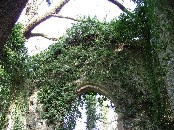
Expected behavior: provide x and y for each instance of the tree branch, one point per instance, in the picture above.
(46, 36)
(66, 17)
(43, 35)
(115, 2)
(54, 13)
(47, 15)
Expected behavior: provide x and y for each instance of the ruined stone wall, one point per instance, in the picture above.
(27, 120)
(165, 45)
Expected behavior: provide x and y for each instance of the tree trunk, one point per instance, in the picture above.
(10, 11)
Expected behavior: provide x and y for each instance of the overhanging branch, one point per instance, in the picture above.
(43, 35)
(54, 13)
(115, 2)
(27, 30)
(65, 17)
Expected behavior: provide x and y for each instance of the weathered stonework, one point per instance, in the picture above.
(166, 46)
(33, 119)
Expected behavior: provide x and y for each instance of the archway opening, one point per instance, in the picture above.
(93, 111)
(97, 112)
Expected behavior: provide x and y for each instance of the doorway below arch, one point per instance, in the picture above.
(96, 112)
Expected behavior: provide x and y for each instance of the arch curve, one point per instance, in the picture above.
(104, 91)
(96, 88)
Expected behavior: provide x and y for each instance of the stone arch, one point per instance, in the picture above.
(83, 88)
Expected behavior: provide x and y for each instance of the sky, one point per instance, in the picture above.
(55, 27)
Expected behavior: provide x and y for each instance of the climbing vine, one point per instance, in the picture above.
(116, 54)
(122, 55)
(13, 71)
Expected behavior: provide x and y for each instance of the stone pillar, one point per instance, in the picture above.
(34, 121)
(164, 12)
(120, 122)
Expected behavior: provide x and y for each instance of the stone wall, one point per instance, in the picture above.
(30, 120)
(165, 50)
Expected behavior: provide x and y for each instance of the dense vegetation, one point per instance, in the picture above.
(13, 71)
(120, 55)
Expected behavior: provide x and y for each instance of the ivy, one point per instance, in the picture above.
(13, 71)
(122, 55)
(89, 52)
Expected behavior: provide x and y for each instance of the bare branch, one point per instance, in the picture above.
(115, 2)
(46, 36)
(42, 35)
(47, 15)
(54, 13)
(66, 17)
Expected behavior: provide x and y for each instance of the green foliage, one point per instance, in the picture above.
(89, 52)
(13, 70)
(19, 111)
(14, 56)
(121, 55)
(90, 105)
